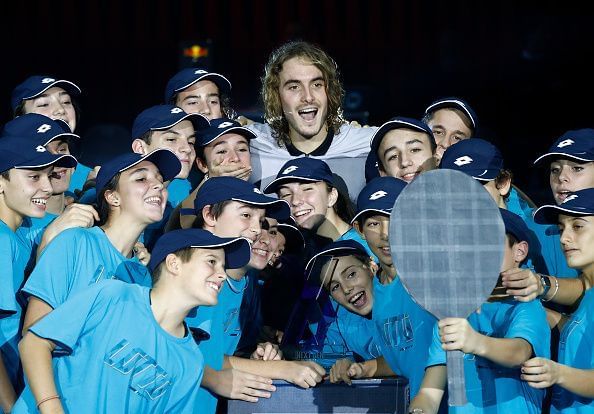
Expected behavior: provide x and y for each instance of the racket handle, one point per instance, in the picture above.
(456, 383)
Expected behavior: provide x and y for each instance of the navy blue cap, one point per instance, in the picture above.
(301, 169)
(34, 86)
(38, 128)
(371, 166)
(475, 157)
(294, 238)
(578, 203)
(218, 189)
(237, 250)
(160, 117)
(189, 76)
(379, 196)
(166, 161)
(515, 226)
(221, 126)
(18, 153)
(337, 249)
(399, 122)
(577, 145)
(456, 103)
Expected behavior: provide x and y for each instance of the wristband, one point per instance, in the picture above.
(53, 397)
(554, 292)
(545, 282)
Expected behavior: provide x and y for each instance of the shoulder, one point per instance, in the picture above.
(351, 138)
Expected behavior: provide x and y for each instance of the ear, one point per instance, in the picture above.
(201, 165)
(357, 226)
(332, 197)
(172, 263)
(113, 198)
(139, 147)
(373, 266)
(520, 251)
(208, 217)
(504, 187)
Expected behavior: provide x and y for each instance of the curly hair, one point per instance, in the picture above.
(273, 112)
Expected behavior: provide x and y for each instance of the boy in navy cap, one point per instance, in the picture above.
(55, 136)
(197, 90)
(129, 343)
(496, 339)
(572, 376)
(56, 99)
(405, 147)
(25, 187)
(452, 120)
(222, 149)
(228, 206)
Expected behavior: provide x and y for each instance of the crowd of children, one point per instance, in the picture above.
(130, 288)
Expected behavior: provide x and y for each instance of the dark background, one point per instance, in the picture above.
(525, 68)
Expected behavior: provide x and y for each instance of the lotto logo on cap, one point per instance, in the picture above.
(302, 169)
(43, 128)
(176, 110)
(577, 145)
(475, 157)
(378, 196)
(570, 198)
(579, 203)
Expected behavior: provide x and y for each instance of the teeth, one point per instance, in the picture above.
(302, 213)
(260, 252)
(39, 201)
(356, 297)
(308, 110)
(213, 286)
(153, 200)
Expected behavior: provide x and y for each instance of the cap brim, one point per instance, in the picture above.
(389, 126)
(237, 252)
(549, 213)
(222, 82)
(238, 130)
(277, 209)
(62, 136)
(561, 154)
(452, 103)
(165, 160)
(371, 210)
(273, 186)
(46, 159)
(68, 86)
(198, 121)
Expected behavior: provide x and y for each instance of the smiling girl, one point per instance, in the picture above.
(130, 196)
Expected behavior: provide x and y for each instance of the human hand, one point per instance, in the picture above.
(239, 385)
(267, 351)
(456, 334)
(523, 284)
(344, 370)
(305, 374)
(540, 372)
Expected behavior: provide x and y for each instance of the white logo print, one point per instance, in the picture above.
(48, 80)
(378, 194)
(43, 128)
(289, 170)
(565, 143)
(225, 125)
(571, 197)
(40, 148)
(176, 110)
(257, 191)
(463, 160)
(199, 72)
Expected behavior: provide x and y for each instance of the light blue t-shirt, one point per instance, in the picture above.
(112, 356)
(15, 255)
(30, 232)
(73, 260)
(79, 177)
(576, 349)
(403, 331)
(352, 234)
(492, 388)
(222, 323)
(352, 332)
(178, 189)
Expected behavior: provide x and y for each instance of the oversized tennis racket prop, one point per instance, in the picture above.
(446, 239)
